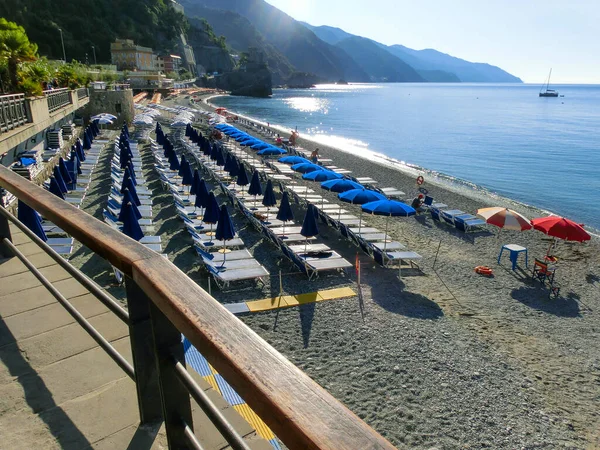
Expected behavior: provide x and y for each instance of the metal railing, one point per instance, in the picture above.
(57, 98)
(82, 93)
(163, 303)
(13, 112)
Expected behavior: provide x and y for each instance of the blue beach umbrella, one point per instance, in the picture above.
(182, 165)
(195, 182)
(272, 151)
(124, 157)
(341, 185)
(211, 214)
(389, 208)
(128, 199)
(79, 150)
(220, 159)
(242, 179)
(260, 146)
(309, 225)
(306, 167)
(64, 171)
(131, 226)
(225, 230)
(269, 197)
(294, 160)
(201, 196)
(31, 219)
(127, 175)
(55, 189)
(322, 175)
(187, 176)
(60, 180)
(255, 186)
(285, 212)
(174, 163)
(128, 186)
(87, 144)
(234, 168)
(360, 197)
(132, 172)
(75, 159)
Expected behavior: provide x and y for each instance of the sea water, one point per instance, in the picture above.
(503, 138)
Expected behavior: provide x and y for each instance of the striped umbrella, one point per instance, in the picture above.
(504, 218)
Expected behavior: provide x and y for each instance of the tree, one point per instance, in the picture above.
(15, 48)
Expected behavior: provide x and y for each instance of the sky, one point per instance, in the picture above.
(525, 37)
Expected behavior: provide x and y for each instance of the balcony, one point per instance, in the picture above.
(21, 118)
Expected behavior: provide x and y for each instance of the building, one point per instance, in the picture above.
(128, 56)
(169, 63)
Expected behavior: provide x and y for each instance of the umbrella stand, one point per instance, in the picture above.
(283, 230)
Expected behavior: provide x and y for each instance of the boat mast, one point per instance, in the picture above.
(549, 75)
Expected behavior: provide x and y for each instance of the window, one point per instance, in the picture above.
(118, 108)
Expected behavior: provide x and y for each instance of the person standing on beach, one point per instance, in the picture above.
(314, 156)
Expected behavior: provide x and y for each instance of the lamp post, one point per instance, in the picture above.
(63, 46)
(94, 50)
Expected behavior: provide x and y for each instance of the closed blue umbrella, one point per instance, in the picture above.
(306, 167)
(64, 171)
(79, 149)
(360, 197)
(174, 163)
(76, 160)
(31, 219)
(182, 165)
(269, 197)
(234, 168)
(220, 159)
(214, 152)
(124, 157)
(126, 130)
(211, 214)
(59, 180)
(187, 176)
(129, 186)
(128, 199)
(132, 172)
(127, 175)
(389, 208)
(255, 186)
(309, 225)
(195, 182)
(201, 196)
(322, 175)
(55, 189)
(285, 212)
(87, 143)
(225, 229)
(272, 151)
(131, 226)
(242, 179)
(294, 160)
(341, 185)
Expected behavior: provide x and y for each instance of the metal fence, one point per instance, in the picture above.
(82, 93)
(57, 98)
(13, 112)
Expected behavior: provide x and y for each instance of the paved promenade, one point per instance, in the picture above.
(58, 388)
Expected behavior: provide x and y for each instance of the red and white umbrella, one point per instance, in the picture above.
(504, 218)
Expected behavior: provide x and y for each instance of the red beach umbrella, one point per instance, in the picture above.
(561, 228)
(504, 218)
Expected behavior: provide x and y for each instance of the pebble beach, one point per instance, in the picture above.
(440, 357)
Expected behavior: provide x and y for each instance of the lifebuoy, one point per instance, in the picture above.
(420, 180)
(484, 270)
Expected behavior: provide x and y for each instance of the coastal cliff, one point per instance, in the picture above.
(255, 83)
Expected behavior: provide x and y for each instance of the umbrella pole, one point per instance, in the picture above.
(224, 253)
(550, 247)
(360, 221)
(211, 233)
(305, 247)
(283, 230)
(387, 222)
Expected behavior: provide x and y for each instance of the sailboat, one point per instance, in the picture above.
(548, 92)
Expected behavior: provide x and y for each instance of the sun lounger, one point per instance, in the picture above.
(205, 242)
(398, 257)
(389, 246)
(216, 257)
(225, 277)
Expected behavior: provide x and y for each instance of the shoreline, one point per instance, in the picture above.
(441, 180)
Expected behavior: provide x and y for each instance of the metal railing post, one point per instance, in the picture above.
(177, 409)
(144, 358)
(4, 233)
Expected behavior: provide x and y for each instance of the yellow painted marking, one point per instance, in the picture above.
(286, 301)
(261, 428)
(212, 369)
(331, 294)
(267, 304)
(210, 379)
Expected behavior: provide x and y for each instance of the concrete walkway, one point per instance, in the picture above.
(58, 389)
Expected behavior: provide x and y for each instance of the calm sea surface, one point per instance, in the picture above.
(504, 138)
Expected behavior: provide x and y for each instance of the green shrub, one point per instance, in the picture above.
(30, 88)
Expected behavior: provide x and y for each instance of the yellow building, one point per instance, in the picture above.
(128, 56)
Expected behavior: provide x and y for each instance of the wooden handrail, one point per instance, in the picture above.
(300, 412)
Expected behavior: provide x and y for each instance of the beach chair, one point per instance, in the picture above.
(545, 275)
(467, 223)
(435, 214)
(223, 278)
(429, 203)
